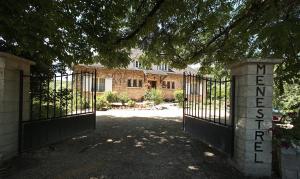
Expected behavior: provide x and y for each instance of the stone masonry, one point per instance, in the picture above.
(10, 67)
(253, 116)
(120, 77)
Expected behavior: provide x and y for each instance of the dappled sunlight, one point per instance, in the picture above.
(139, 144)
(173, 114)
(109, 140)
(117, 141)
(209, 154)
(163, 140)
(80, 137)
(95, 145)
(145, 139)
(135, 145)
(191, 167)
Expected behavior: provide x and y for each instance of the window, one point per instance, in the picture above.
(168, 84)
(164, 85)
(100, 84)
(129, 83)
(173, 85)
(163, 67)
(140, 83)
(135, 83)
(137, 64)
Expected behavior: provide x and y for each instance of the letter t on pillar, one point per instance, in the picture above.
(253, 115)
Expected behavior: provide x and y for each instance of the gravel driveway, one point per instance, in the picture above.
(126, 147)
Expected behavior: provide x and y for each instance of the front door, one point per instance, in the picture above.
(152, 84)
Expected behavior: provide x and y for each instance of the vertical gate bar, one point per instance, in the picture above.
(225, 101)
(190, 85)
(199, 83)
(92, 90)
(60, 104)
(67, 93)
(195, 92)
(31, 97)
(194, 101)
(85, 74)
(192, 98)
(21, 92)
(48, 91)
(76, 90)
(215, 99)
(205, 105)
(72, 87)
(202, 83)
(95, 113)
(232, 109)
(95, 99)
(232, 105)
(220, 100)
(89, 89)
(184, 99)
(81, 88)
(210, 96)
(40, 96)
(54, 97)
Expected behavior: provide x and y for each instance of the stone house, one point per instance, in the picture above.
(136, 80)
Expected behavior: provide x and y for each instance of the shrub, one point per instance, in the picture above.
(131, 103)
(102, 103)
(123, 98)
(179, 98)
(111, 97)
(154, 95)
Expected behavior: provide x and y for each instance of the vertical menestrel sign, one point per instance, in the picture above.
(260, 94)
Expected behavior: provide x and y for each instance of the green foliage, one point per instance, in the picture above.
(289, 101)
(123, 98)
(102, 103)
(154, 95)
(131, 103)
(179, 98)
(111, 97)
(215, 32)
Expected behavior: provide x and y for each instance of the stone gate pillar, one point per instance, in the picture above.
(253, 116)
(10, 70)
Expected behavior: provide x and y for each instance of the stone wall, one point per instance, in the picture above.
(120, 77)
(10, 67)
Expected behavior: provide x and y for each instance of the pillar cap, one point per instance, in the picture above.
(14, 57)
(256, 61)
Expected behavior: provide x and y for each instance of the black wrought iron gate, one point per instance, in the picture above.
(61, 106)
(208, 109)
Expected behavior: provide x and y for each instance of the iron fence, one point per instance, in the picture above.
(208, 99)
(62, 95)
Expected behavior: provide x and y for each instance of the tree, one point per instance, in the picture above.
(176, 32)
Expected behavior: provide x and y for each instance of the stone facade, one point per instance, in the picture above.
(253, 116)
(120, 79)
(10, 67)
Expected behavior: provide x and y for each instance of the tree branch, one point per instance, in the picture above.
(143, 23)
(250, 12)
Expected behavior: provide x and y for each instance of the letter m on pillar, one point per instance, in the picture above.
(261, 69)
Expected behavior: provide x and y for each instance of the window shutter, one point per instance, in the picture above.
(108, 84)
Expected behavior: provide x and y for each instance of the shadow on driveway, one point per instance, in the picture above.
(126, 148)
